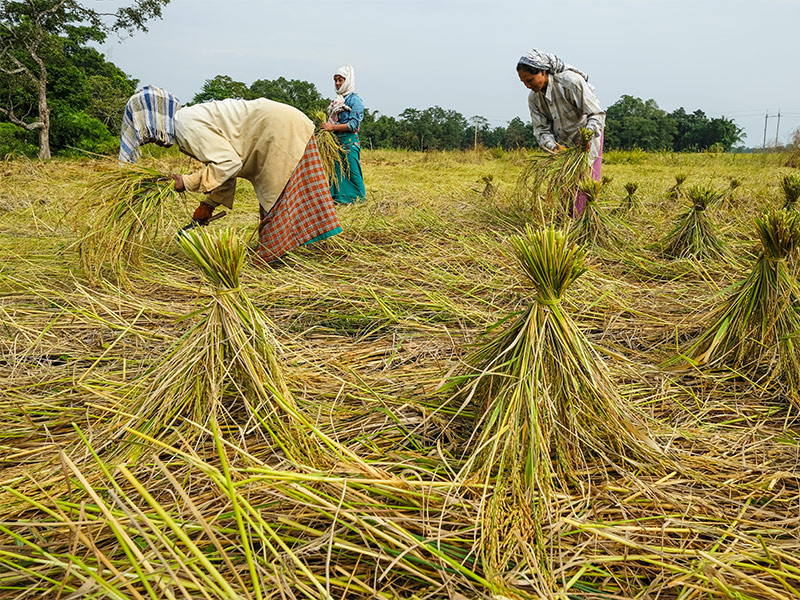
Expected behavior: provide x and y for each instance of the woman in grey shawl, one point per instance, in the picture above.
(561, 102)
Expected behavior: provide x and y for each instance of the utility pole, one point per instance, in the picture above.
(764, 146)
(475, 144)
(777, 128)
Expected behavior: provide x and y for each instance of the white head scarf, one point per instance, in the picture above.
(337, 105)
(349, 85)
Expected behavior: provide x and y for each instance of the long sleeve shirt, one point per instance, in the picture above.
(258, 140)
(355, 115)
(558, 113)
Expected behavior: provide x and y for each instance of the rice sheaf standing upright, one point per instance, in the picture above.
(790, 184)
(630, 202)
(547, 407)
(225, 367)
(757, 328)
(593, 227)
(694, 234)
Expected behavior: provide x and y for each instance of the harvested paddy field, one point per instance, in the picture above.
(331, 454)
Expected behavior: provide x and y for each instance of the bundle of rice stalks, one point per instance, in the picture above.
(128, 207)
(225, 368)
(549, 414)
(593, 227)
(757, 326)
(489, 188)
(790, 184)
(630, 202)
(555, 176)
(729, 195)
(334, 159)
(676, 190)
(694, 234)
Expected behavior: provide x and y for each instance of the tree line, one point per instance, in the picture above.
(58, 94)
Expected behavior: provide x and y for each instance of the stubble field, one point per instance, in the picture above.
(370, 324)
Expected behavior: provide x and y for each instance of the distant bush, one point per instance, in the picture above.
(78, 131)
(15, 141)
(630, 157)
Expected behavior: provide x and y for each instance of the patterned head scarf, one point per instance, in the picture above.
(149, 117)
(548, 62)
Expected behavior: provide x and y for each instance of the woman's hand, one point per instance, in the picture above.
(178, 179)
(327, 126)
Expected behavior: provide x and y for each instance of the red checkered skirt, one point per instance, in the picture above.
(303, 213)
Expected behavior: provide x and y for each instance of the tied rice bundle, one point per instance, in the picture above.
(630, 202)
(547, 406)
(334, 159)
(129, 207)
(729, 197)
(790, 184)
(555, 176)
(757, 326)
(593, 227)
(225, 367)
(676, 191)
(694, 234)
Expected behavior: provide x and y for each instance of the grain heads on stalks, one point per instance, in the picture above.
(334, 159)
(790, 184)
(555, 176)
(125, 207)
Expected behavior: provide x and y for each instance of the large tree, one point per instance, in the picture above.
(33, 34)
(222, 87)
(635, 123)
(303, 95)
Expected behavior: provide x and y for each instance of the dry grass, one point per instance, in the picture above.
(370, 323)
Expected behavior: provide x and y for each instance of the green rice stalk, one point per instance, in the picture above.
(694, 234)
(126, 209)
(182, 523)
(334, 158)
(593, 227)
(790, 184)
(676, 191)
(548, 410)
(630, 203)
(756, 329)
(554, 177)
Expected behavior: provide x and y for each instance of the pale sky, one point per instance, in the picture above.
(732, 58)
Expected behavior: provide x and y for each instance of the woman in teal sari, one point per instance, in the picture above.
(345, 114)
